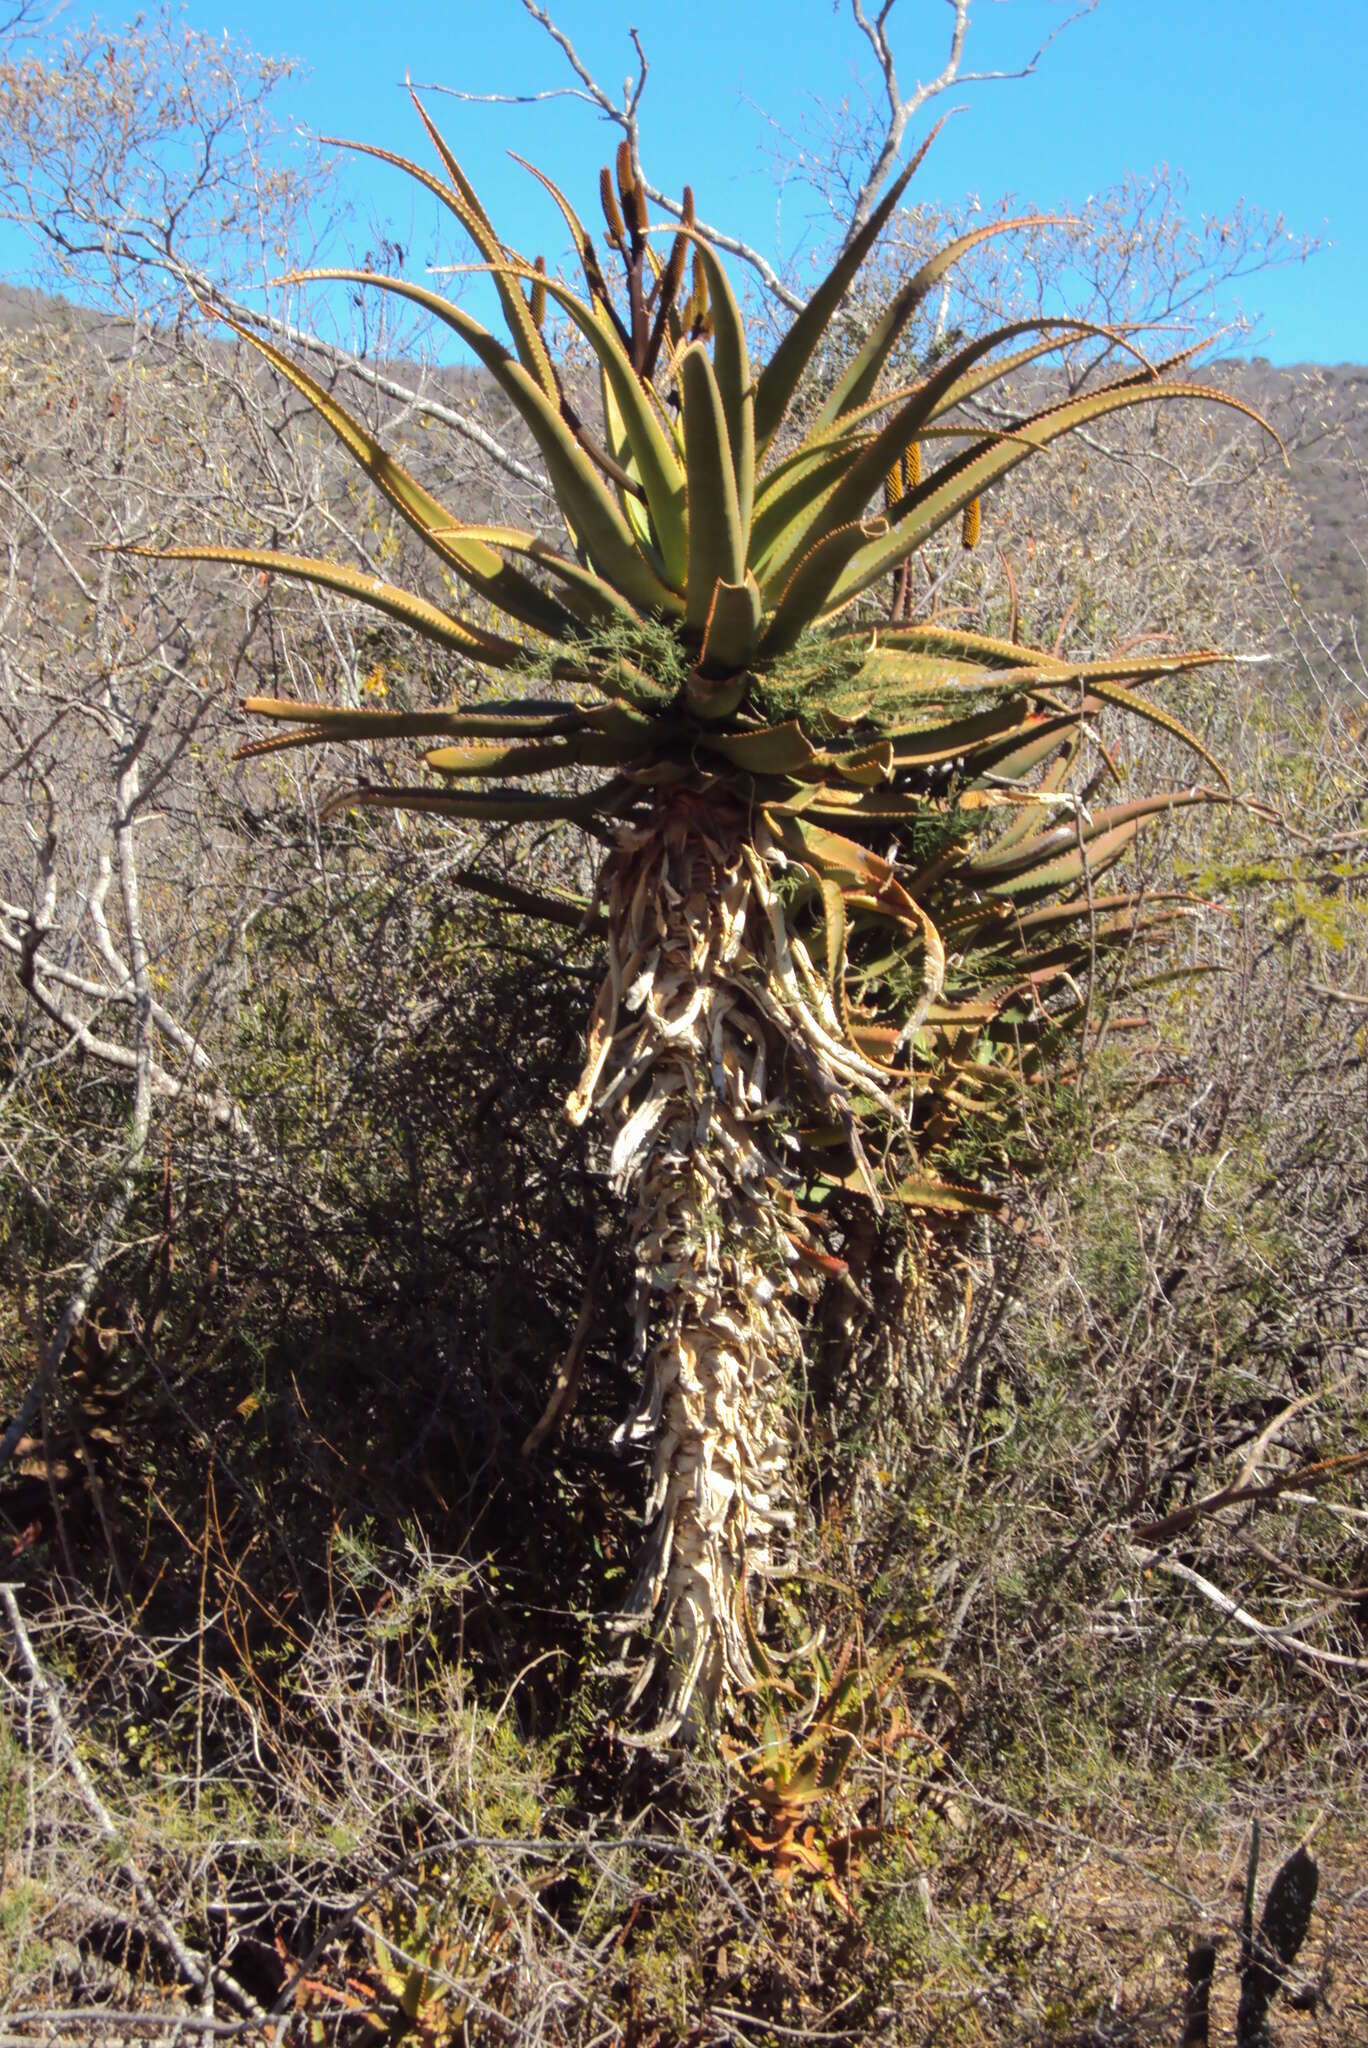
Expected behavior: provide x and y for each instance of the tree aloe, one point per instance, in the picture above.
(849, 903)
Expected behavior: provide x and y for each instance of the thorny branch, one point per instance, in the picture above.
(1276, 1638)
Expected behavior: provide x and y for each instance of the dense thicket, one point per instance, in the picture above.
(304, 1531)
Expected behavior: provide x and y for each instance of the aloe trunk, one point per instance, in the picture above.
(683, 1045)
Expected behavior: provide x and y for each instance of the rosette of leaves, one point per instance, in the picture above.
(798, 1756)
(850, 903)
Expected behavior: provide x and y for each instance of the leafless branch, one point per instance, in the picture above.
(589, 91)
(1277, 1639)
(196, 1969)
(627, 117)
(903, 108)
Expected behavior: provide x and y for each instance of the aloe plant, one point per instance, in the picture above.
(850, 903)
(796, 1754)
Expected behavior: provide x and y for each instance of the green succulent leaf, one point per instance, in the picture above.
(982, 377)
(654, 458)
(865, 471)
(926, 1191)
(781, 376)
(319, 724)
(477, 758)
(784, 506)
(767, 750)
(1080, 827)
(403, 605)
(807, 588)
(717, 545)
(592, 600)
(970, 475)
(507, 807)
(735, 383)
(1154, 714)
(732, 633)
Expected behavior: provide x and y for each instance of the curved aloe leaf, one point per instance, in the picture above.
(1065, 853)
(717, 542)
(1014, 758)
(988, 374)
(851, 434)
(812, 577)
(932, 636)
(587, 505)
(493, 721)
(863, 373)
(834, 931)
(731, 367)
(952, 487)
(594, 280)
(866, 764)
(588, 596)
(783, 372)
(925, 1191)
(1154, 714)
(504, 807)
(534, 757)
(931, 745)
(525, 330)
(449, 163)
(403, 605)
(769, 750)
(914, 658)
(808, 480)
(830, 854)
(989, 862)
(318, 724)
(620, 467)
(1091, 855)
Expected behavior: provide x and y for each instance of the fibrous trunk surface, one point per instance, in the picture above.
(695, 1046)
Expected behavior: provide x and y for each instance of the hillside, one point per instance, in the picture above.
(1322, 410)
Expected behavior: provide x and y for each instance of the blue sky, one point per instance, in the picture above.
(1252, 100)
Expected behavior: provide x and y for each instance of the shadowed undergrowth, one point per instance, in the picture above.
(322, 1632)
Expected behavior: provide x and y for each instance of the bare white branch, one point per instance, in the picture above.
(903, 108)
